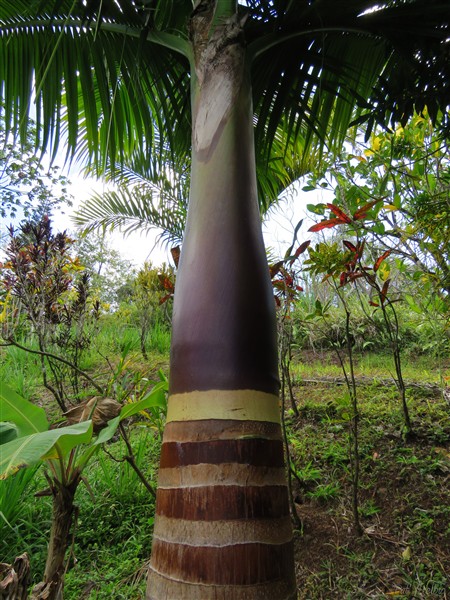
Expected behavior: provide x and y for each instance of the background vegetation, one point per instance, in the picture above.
(361, 295)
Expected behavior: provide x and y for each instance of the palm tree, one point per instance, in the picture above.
(220, 79)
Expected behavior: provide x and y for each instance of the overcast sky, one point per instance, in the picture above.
(278, 228)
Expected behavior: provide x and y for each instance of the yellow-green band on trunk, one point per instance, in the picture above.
(239, 405)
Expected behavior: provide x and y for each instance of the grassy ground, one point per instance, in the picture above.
(404, 551)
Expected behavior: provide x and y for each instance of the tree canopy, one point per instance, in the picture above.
(27, 188)
(115, 75)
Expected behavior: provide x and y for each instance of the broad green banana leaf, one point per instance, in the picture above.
(27, 417)
(44, 445)
(34, 445)
(8, 432)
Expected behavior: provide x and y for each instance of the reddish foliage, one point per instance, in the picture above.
(175, 252)
(361, 213)
(355, 275)
(300, 250)
(339, 213)
(384, 290)
(350, 246)
(379, 260)
(275, 269)
(327, 224)
(360, 248)
(168, 285)
(165, 298)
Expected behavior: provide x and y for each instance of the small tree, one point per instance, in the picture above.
(152, 288)
(286, 288)
(47, 296)
(27, 188)
(329, 261)
(351, 270)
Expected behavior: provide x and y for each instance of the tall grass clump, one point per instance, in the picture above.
(159, 338)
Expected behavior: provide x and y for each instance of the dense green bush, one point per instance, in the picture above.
(419, 334)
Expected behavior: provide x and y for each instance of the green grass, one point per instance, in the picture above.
(404, 486)
(14, 510)
(159, 339)
(420, 368)
(20, 369)
(30, 520)
(115, 524)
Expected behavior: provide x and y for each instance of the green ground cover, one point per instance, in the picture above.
(403, 491)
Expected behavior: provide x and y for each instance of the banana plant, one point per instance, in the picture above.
(26, 439)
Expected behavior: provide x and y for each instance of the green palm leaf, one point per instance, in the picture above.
(51, 56)
(129, 211)
(138, 204)
(115, 73)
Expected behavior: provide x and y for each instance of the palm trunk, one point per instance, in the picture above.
(222, 527)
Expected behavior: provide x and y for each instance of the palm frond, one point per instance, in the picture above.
(328, 63)
(111, 74)
(90, 78)
(140, 207)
